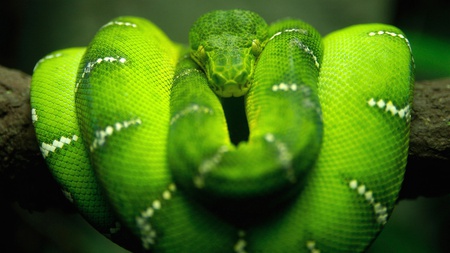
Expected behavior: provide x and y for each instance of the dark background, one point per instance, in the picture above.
(31, 29)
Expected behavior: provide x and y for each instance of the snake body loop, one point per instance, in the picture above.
(276, 153)
(134, 129)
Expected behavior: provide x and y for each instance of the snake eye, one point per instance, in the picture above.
(200, 55)
(256, 47)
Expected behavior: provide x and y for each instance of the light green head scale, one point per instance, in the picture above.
(226, 44)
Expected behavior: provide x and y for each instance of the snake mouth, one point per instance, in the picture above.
(230, 89)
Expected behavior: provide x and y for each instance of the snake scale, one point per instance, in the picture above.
(136, 129)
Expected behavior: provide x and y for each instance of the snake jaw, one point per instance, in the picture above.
(229, 88)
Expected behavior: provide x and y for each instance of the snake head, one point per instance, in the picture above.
(226, 45)
(228, 70)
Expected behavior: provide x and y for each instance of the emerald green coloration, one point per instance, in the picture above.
(226, 45)
(133, 127)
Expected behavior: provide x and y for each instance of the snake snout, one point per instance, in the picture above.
(229, 71)
(231, 85)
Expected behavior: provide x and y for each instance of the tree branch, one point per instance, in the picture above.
(427, 171)
(25, 178)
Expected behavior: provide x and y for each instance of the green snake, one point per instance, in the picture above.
(138, 130)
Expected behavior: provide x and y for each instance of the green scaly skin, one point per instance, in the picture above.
(134, 131)
(226, 45)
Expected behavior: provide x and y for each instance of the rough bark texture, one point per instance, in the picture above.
(24, 176)
(427, 172)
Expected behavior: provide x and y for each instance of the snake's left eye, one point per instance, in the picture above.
(201, 53)
(256, 47)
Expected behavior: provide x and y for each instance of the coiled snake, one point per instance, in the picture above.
(135, 129)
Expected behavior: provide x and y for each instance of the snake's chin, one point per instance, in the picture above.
(230, 89)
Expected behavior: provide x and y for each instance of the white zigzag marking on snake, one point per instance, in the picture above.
(67, 195)
(91, 65)
(393, 34)
(239, 247)
(208, 165)
(100, 135)
(185, 73)
(401, 36)
(390, 107)
(284, 87)
(47, 148)
(307, 102)
(299, 43)
(190, 109)
(48, 57)
(284, 156)
(34, 116)
(379, 209)
(296, 30)
(119, 23)
(307, 50)
(148, 233)
(311, 246)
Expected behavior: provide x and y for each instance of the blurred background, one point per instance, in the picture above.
(31, 29)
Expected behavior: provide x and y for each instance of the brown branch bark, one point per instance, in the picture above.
(427, 171)
(24, 176)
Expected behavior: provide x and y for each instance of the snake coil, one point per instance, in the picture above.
(136, 129)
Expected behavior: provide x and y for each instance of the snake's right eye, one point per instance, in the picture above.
(200, 55)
